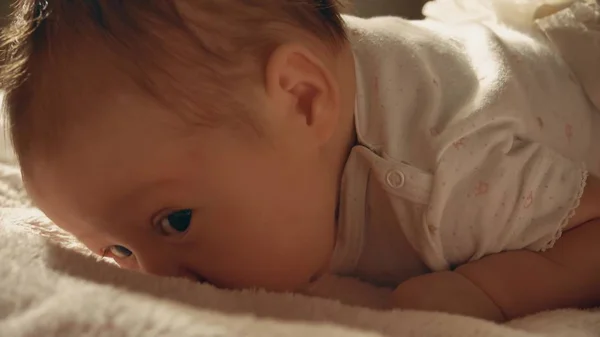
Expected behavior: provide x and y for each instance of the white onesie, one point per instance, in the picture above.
(473, 139)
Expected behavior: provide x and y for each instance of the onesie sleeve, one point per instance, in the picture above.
(494, 192)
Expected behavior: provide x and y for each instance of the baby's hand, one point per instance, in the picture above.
(448, 292)
(349, 291)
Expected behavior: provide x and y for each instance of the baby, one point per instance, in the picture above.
(267, 143)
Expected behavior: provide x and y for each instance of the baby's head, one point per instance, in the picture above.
(194, 138)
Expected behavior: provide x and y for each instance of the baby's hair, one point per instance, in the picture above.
(195, 50)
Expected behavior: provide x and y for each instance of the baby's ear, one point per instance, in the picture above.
(305, 89)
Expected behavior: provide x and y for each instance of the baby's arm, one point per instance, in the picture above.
(517, 283)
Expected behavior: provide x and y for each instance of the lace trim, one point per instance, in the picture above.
(565, 221)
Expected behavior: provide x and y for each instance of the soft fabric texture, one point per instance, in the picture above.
(474, 139)
(50, 290)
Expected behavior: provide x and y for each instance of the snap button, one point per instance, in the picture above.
(395, 179)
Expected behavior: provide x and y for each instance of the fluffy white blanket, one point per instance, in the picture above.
(51, 287)
(48, 290)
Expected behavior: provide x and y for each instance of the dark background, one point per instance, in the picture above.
(406, 8)
(4, 4)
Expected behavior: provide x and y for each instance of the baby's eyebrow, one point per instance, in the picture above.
(138, 196)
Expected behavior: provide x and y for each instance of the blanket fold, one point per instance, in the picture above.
(53, 290)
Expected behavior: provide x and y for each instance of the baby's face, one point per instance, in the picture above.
(212, 204)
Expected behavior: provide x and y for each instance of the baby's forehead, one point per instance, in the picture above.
(95, 172)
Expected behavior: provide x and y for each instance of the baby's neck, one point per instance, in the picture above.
(339, 146)
(345, 136)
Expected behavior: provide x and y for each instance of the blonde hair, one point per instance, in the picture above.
(190, 49)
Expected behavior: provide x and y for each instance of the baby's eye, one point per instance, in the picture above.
(120, 251)
(176, 222)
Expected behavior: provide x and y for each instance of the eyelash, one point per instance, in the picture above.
(104, 253)
(158, 217)
(164, 214)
